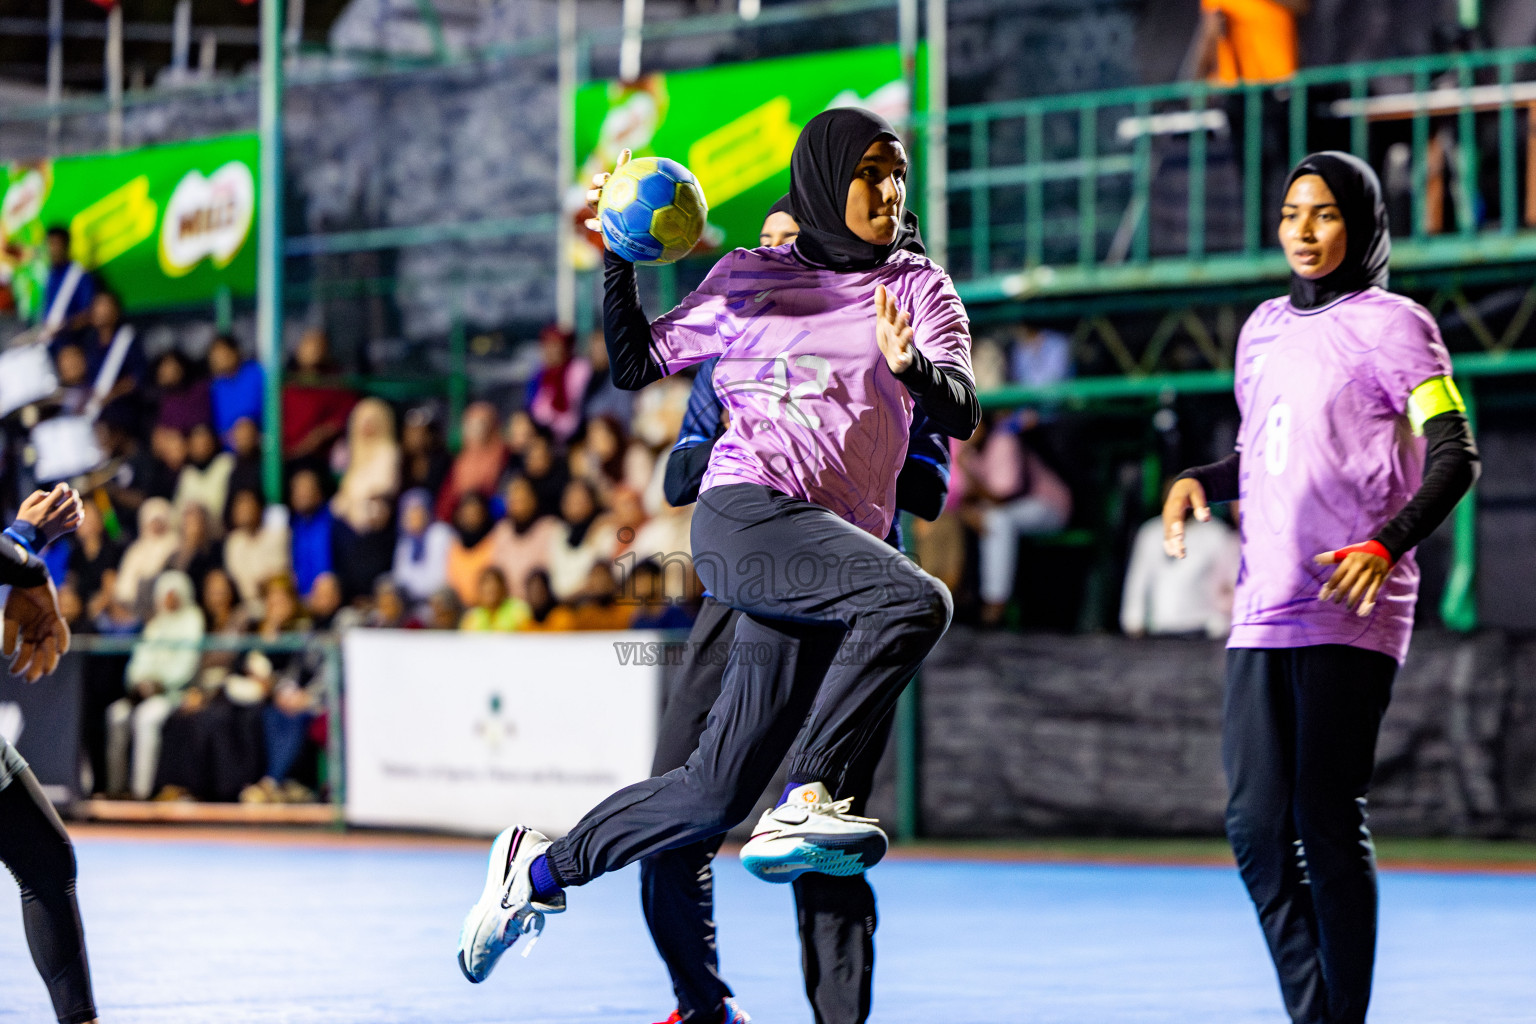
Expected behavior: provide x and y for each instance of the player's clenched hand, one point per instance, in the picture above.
(35, 634)
(893, 331)
(595, 193)
(54, 512)
(1361, 572)
(1183, 496)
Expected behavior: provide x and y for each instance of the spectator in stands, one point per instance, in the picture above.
(1247, 40)
(128, 466)
(67, 294)
(495, 610)
(245, 446)
(315, 405)
(1190, 596)
(168, 451)
(205, 476)
(604, 444)
(582, 541)
(146, 556)
(109, 615)
(603, 397)
(325, 603)
(225, 617)
(163, 663)
(547, 615)
(472, 546)
(91, 552)
(646, 593)
(444, 610)
(480, 461)
(73, 371)
(597, 603)
(520, 431)
(364, 505)
(424, 459)
(547, 474)
(132, 371)
(556, 391)
(421, 552)
(389, 608)
(309, 529)
(255, 550)
(183, 396)
(198, 552)
(522, 541)
(237, 387)
(1008, 492)
(290, 705)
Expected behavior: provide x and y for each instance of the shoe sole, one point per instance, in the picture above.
(841, 856)
(502, 850)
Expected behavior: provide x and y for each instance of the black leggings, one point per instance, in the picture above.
(34, 845)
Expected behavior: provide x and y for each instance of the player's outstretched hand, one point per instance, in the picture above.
(595, 193)
(54, 512)
(1183, 496)
(35, 634)
(893, 331)
(1362, 569)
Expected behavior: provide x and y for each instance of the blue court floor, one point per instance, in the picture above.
(197, 932)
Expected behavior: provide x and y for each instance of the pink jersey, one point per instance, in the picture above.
(1328, 458)
(815, 412)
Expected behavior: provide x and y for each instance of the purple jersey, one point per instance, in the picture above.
(815, 412)
(1328, 458)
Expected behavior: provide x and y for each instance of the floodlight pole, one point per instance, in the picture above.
(55, 70)
(269, 272)
(565, 167)
(936, 205)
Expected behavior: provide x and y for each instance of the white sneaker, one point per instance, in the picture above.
(507, 910)
(811, 832)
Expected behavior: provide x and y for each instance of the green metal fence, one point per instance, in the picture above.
(1058, 195)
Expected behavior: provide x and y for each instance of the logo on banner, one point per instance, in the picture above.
(493, 727)
(11, 721)
(207, 218)
(23, 202)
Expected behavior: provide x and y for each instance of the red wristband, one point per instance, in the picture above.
(1370, 547)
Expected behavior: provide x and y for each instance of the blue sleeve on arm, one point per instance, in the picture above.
(689, 458)
(25, 534)
(923, 485)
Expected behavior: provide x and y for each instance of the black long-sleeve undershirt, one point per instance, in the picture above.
(18, 568)
(948, 398)
(626, 331)
(1451, 467)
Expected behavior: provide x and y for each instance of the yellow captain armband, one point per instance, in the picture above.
(1435, 396)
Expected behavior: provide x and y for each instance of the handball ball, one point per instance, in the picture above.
(652, 211)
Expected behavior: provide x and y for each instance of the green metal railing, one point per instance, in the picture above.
(1055, 196)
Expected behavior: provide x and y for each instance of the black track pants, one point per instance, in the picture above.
(836, 915)
(1299, 743)
(36, 849)
(835, 624)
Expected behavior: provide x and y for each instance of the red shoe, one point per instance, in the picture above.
(676, 1018)
(733, 1015)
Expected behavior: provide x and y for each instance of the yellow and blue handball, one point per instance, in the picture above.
(652, 211)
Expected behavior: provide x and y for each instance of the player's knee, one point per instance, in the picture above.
(930, 607)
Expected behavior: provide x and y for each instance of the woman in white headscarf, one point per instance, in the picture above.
(162, 664)
(146, 556)
(363, 540)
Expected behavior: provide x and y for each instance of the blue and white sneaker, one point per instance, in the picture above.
(507, 910)
(810, 831)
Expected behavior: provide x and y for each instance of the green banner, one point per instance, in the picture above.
(734, 126)
(161, 226)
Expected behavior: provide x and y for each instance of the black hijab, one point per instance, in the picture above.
(820, 170)
(1357, 190)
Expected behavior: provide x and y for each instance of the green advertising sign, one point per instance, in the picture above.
(734, 126)
(161, 226)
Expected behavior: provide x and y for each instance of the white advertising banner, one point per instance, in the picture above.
(473, 732)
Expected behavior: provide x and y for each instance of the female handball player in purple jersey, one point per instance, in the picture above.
(1354, 445)
(825, 345)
